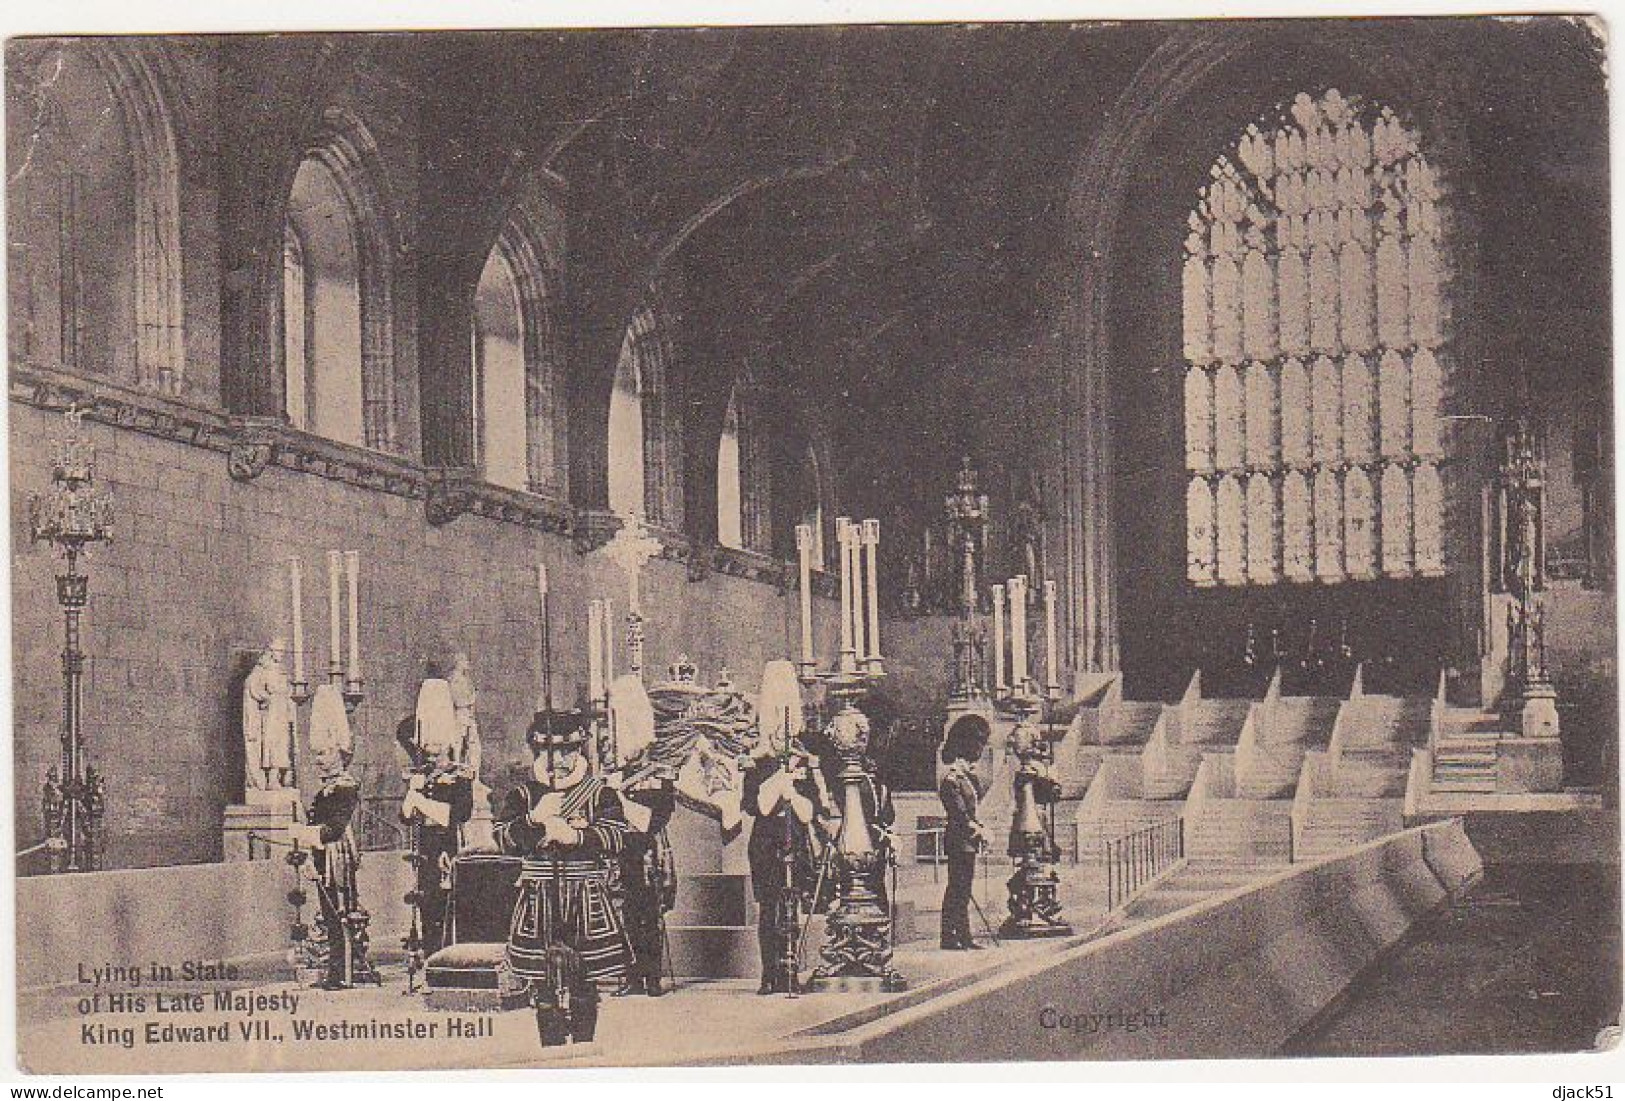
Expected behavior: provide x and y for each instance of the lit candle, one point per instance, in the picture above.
(871, 546)
(804, 547)
(841, 541)
(335, 567)
(352, 567)
(1018, 632)
(595, 650)
(998, 637)
(296, 593)
(541, 580)
(854, 548)
(1051, 680)
(609, 643)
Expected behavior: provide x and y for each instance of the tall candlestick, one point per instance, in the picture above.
(352, 567)
(1018, 632)
(595, 650)
(854, 554)
(841, 541)
(804, 548)
(335, 659)
(547, 638)
(1052, 683)
(296, 594)
(871, 547)
(998, 638)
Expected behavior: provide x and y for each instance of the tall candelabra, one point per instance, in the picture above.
(967, 510)
(857, 951)
(71, 516)
(1035, 911)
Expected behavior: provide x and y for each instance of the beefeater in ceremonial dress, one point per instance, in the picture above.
(566, 936)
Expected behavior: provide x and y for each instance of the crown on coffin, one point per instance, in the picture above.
(682, 671)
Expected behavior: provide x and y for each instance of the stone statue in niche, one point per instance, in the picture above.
(268, 723)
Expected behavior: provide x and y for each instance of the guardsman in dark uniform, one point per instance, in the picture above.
(648, 883)
(566, 935)
(785, 803)
(335, 860)
(439, 802)
(961, 840)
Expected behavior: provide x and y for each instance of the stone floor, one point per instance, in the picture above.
(700, 1021)
(1529, 961)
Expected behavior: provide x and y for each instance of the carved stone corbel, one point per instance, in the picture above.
(448, 493)
(253, 446)
(701, 561)
(593, 528)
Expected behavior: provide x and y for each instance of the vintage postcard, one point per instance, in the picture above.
(826, 544)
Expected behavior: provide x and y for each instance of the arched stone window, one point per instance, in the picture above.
(743, 494)
(815, 505)
(1314, 313)
(296, 332)
(94, 234)
(518, 435)
(498, 357)
(645, 437)
(346, 252)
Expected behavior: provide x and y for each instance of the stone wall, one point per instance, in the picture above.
(195, 583)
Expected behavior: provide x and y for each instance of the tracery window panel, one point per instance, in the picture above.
(1232, 531)
(1201, 557)
(1263, 562)
(1315, 294)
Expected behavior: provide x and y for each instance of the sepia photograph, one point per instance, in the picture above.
(890, 543)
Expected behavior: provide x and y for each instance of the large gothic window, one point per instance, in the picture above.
(743, 509)
(1313, 346)
(498, 358)
(645, 440)
(519, 439)
(93, 191)
(815, 508)
(338, 287)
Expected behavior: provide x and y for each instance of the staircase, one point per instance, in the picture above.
(1115, 805)
(1291, 725)
(1220, 827)
(1464, 758)
(1336, 825)
(1128, 723)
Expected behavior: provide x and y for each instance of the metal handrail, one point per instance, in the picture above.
(1136, 858)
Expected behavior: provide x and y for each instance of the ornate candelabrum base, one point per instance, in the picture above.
(857, 951)
(1035, 911)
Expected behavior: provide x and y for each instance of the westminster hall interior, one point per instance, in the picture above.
(1193, 439)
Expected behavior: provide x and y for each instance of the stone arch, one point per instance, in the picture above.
(743, 471)
(345, 149)
(133, 296)
(531, 242)
(159, 309)
(645, 396)
(1186, 73)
